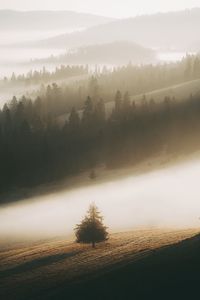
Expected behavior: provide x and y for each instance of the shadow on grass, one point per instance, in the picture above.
(169, 273)
(37, 263)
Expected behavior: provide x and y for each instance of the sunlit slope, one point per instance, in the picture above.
(180, 91)
(47, 268)
(169, 273)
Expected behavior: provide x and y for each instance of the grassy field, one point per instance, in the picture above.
(61, 269)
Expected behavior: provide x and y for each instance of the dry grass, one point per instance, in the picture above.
(50, 264)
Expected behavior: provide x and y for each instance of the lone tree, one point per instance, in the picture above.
(91, 229)
(92, 175)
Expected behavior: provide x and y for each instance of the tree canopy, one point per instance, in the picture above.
(91, 229)
(67, 131)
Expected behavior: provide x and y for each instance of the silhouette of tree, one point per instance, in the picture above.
(92, 175)
(74, 119)
(91, 229)
(94, 88)
(118, 102)
(88, 113)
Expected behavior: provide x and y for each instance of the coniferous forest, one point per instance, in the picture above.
(99, 150)
(38, 146)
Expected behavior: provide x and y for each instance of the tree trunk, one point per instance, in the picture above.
(93, 244)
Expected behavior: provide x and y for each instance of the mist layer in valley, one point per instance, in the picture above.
(101, 113)
(123, 66)
(89, 39)
(152, 199)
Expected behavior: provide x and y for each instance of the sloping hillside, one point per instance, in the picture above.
(47, 20)
(111, 53)
(180, 91)
(51, 269)
(169, 273)
(175, 30)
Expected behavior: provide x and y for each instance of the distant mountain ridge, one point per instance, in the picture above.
(119, 52)
(172, 30)
(47, 20)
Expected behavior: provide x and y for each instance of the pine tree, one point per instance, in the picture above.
(74, 119)
(91, 229)
(118, 102)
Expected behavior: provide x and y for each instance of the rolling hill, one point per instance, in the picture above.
(128, 265)
(11, 20)
(116, 53)
(172, 30)
(181, 91)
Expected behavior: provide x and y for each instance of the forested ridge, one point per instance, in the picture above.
(35, 148)
(44, 76)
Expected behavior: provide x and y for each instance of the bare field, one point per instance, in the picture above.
(33, 269)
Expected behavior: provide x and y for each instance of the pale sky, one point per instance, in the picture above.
(113, 8)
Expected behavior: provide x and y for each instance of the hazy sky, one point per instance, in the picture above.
(114, 8)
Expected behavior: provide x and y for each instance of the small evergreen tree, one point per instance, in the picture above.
(91, 229)
(92, 175)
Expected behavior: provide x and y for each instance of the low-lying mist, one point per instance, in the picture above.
(165, 198)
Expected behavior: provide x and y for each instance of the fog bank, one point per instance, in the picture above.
(167, 197)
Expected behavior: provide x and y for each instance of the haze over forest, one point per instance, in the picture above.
(173, 30)
(97, 105)
(98, 70)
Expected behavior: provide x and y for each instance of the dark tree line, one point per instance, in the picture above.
(58, 100)
(36, 148)
(135, 79)
(44, 76)
(145, 78)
